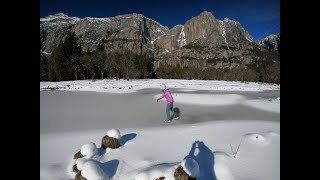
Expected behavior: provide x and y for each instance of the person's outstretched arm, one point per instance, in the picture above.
(160, 97)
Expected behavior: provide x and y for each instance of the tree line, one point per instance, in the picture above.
(68, 62)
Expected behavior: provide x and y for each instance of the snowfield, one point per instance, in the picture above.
(233, 149)
(270, 105)
(124, 86)
(206, 99)
(150, 152)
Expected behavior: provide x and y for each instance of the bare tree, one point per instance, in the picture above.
(118, 64)
(100, 58)
(114, 65)
(106, 63)
(74, 65)
(92, 65)
(129, 64)
(85, 64)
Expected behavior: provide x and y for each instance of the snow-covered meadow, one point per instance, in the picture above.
(124, 86)
(216, 149)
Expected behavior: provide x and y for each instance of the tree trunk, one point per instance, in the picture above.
(92, 74)
(222, 71)
(76, 75)
(127, 73)
(101, 74)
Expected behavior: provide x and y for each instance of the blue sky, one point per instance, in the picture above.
(259, 17)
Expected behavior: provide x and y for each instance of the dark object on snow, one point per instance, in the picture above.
(176, 112)
(109, 142)
(161, 178)
(79, 176)
(75, 169)
(180, 174)
(78, 155)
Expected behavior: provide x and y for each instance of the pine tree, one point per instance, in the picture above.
(43, 68)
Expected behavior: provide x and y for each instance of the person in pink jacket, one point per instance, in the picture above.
(170, 101)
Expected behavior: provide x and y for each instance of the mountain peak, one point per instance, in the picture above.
(57, 15)
(206, 13)
(271, 36)
(230, 21)
(271, 41)
(178, 25)
(131, 15)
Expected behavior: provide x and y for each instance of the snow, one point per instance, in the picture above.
(45, 53)
(267, 105)
(223, 149)
(182, 38)
(94, 19)
(225, 99)
(221, 168)
(248, 39)
(89, 150)
(256, 139)
(206, 99)
(152, 41)
(191, 167)
(115, 133)
(80, 162)
(92, 171)
(165, 170)
(60, 16)
(152, 160)
(158, 151)
(124, 86)
(223, 32)
(155, 22)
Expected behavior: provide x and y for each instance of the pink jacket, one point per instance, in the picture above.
(167, 95)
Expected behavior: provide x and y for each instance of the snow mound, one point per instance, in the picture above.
(92, 171)
(154, 172)
(115, 133)
(89, 150)
(256, 139)
(191, 167)
(80, 162)
(222, 171)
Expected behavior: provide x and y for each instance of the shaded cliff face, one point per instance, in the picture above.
(115, 32)
(53, 29)
(132, 30)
